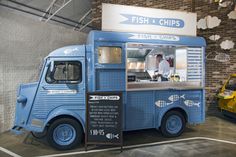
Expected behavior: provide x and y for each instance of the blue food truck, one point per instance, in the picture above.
(55, 105)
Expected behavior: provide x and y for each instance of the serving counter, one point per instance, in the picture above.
(154, 85)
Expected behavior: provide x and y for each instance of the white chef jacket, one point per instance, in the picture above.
(164, 68)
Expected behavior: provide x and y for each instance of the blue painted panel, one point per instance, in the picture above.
(139, 110)
(90, 70)
(110, 80)
(194, 105)
(164, 101)
(69, 51)
(23, 109)
(145, 109)
(47, 101)
(191, 101)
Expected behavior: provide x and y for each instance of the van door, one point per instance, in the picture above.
(109, 66)
(109, 69)
(62, 88)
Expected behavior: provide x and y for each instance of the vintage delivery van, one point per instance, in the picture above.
(116, 62)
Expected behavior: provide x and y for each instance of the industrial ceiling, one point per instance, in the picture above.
(74, 14)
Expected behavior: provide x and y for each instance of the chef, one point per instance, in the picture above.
(163, 68)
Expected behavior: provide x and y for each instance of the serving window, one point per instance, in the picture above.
(163, 64)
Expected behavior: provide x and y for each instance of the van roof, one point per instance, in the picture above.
(164, 39)
(73, 50)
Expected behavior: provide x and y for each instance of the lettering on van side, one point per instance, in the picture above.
(142, 36)
(50, 92)
(98, 97)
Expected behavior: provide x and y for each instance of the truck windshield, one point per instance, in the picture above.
(231, 84)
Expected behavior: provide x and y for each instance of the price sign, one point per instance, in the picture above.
(104, 118)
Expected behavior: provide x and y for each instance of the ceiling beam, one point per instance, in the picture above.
(42, 11)
(82, 18)
(47, 10)
(31, 13)
(54, 5)
(95, 19)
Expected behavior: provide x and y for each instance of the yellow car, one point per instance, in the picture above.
(227, 97)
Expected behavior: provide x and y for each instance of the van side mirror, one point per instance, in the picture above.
(52, 66)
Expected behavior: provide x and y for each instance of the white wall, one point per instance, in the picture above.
(24, 42)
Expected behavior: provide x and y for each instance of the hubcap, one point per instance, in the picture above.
(64, 134)
(173, 124)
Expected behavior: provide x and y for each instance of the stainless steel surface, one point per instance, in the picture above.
(135, 70)
(146, 85)
(109, 55)
(137, 53)
(135, 65)
(151, 62)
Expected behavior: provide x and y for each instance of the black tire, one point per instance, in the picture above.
(166, 122)
(227, 116)
(39, 135)
(52, 130)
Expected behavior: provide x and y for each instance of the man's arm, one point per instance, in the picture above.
(160, 71)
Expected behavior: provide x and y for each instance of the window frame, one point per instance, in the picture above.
(49, 73)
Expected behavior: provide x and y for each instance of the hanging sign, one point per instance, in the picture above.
(147, 20)
(104, 118)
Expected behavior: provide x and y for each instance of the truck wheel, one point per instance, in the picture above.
(64, 134)
(39, 135)
(173, 124)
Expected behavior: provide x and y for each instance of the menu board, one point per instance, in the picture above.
(104, 118)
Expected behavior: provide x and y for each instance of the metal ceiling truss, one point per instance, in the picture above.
(25, 8)
(82, 19)
(54, 7)
(85, 25)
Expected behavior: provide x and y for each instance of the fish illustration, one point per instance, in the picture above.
(176, 97)
(162, 103)
(111, 136)
(191, 103)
